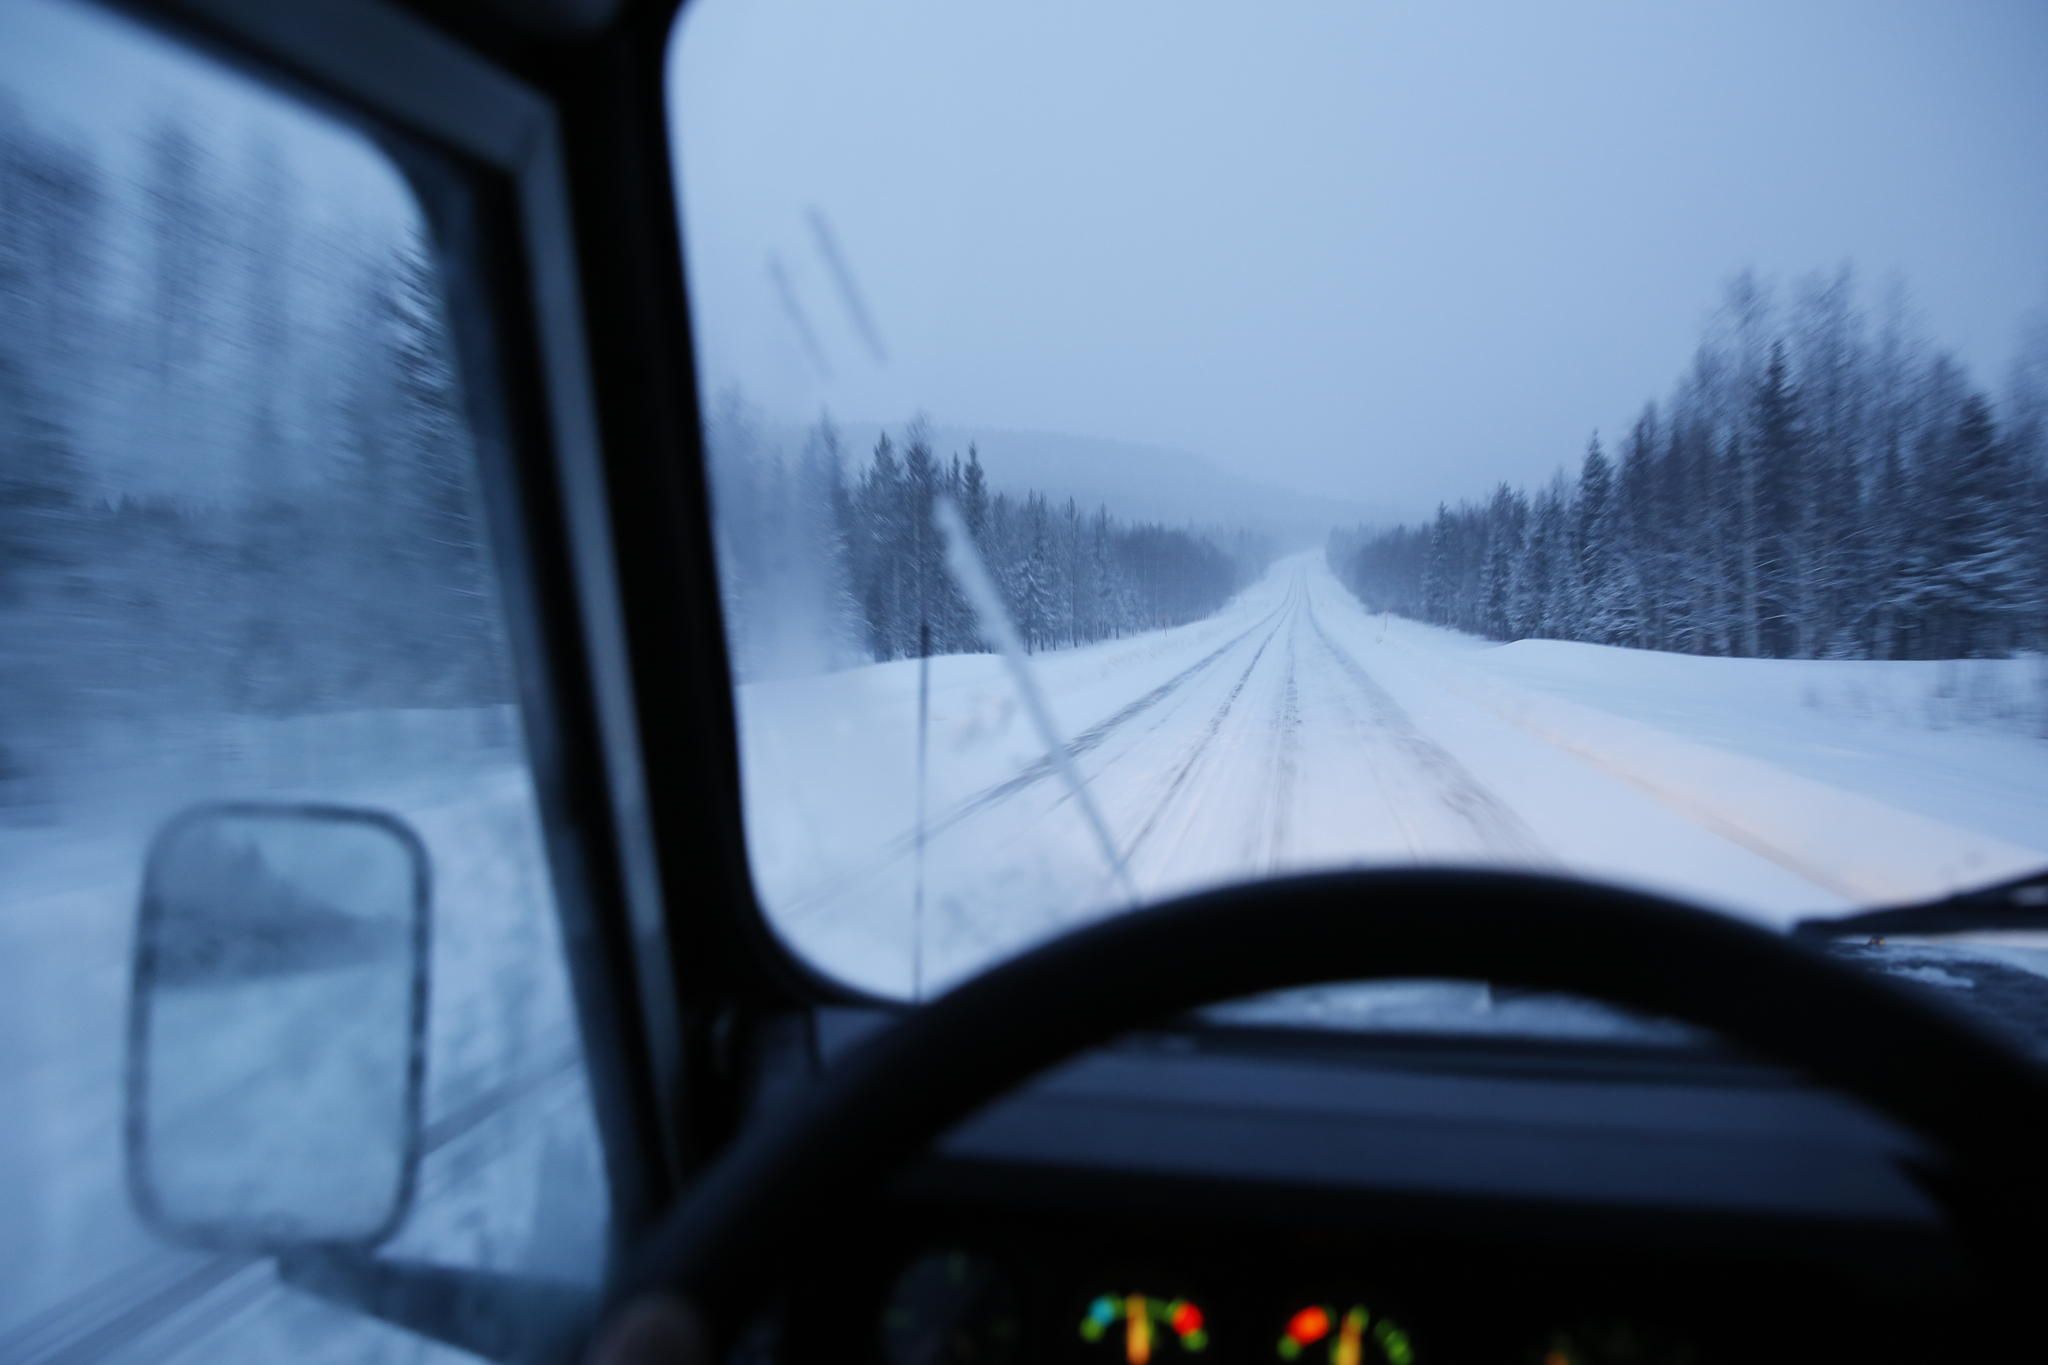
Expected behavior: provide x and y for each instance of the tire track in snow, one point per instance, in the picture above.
(1203, 741)
(1393, 808)
(1362, 725)
(1161, 720)
(1030, 775)
(1040, 769)
(1499, 829)
(1287, 760)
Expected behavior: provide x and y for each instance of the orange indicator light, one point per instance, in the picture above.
(1137, 1331)
(1350, 1347)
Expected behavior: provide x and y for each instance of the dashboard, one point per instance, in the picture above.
(1065, 1286)
(1179, 1198)
(950, 1303)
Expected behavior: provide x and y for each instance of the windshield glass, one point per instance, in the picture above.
(1589, 438)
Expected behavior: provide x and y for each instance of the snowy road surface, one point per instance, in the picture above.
(1295, 731)
(1291, 731)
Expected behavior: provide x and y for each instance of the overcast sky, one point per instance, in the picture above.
(1391, 252)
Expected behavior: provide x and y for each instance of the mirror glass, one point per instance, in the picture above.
(276, 1044)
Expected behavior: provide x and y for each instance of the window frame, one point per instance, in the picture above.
(540, 164)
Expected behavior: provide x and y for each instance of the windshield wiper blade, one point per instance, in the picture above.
(2020, 903)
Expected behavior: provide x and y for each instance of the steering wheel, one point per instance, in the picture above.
(1980, 1104)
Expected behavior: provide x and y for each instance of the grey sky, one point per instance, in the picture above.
(1385, 251)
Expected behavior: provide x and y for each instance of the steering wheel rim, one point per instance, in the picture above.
(1976, 1098)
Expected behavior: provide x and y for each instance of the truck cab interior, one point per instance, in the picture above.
(1126, 1114)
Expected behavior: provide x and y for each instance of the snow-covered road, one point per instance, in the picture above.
(1292, 732)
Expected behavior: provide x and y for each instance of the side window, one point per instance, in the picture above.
(242, 557)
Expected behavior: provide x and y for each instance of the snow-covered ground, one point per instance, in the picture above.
(1295, 731)
(1291, 731)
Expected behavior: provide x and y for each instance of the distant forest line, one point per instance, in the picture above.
(822, 564)
(1812, 487)
(237, 474)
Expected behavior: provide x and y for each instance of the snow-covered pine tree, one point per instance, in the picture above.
(1532, 601)
(881, 547)
(1776, 452)
(1639, 505)
(1975, 602)
(1038, 585)
(1439, 578)
(1829, 366)
(1798, 494)
(1506, 525)
(1605, 612)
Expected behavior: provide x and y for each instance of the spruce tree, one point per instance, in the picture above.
(1975, 599)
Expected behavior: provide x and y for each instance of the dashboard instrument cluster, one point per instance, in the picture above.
(956, 1305)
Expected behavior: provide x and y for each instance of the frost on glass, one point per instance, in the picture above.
(242, 558)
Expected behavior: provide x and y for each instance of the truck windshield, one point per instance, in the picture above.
(1608, 442)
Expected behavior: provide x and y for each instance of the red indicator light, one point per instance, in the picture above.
(1187, 1318)
(1309, 1326)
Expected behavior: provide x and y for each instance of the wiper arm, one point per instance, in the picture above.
(2021, 903)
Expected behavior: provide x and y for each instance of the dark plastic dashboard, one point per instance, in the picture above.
(1257, 1196)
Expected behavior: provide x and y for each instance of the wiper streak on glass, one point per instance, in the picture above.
(963, 561)
(849, 292)
(797, 319)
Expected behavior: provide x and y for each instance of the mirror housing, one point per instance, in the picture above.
(277, 1027)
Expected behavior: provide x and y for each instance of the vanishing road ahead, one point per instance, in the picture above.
(1288, 733)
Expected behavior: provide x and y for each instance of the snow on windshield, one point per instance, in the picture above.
(1395, 459)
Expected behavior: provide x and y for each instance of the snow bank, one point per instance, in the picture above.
(1874, 781)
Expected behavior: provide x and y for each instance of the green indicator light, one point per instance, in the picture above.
(1289, 1348)
(1091, 1329)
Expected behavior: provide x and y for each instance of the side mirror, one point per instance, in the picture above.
(277, 1027)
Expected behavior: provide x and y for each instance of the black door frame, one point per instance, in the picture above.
(540, 157)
